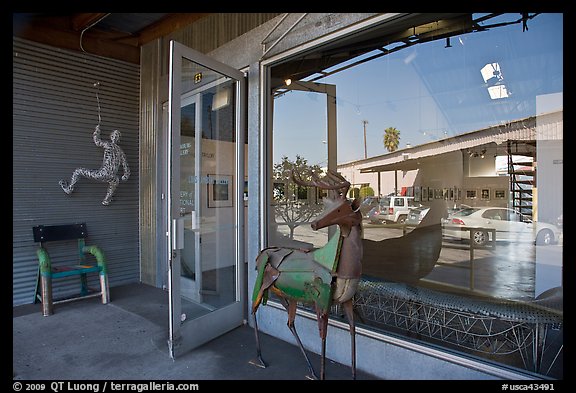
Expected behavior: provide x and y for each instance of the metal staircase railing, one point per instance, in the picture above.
(522, 177)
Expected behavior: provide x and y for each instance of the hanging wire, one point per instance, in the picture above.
(97, 86)
(88, 27)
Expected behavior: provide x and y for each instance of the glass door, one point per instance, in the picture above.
(205, 204)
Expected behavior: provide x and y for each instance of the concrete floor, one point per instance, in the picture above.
(126, 340)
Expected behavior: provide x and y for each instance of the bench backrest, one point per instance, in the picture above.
(49, 233)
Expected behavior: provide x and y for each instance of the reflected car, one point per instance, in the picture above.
(373, 214)
(392, 209)
(510, 225)
(455, 209)
(368, 204)
(416, 215)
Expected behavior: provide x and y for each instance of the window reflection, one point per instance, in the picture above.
(473, 262)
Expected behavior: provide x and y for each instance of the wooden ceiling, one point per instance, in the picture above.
(114, 35)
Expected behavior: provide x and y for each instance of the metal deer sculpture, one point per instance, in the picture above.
(320, 277)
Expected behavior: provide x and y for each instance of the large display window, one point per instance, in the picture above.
(450, 131)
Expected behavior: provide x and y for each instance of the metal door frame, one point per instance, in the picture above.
(202, 329)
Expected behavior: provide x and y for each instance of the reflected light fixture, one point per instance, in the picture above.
(493, 78)
(221, 99)
(471, 153)
(287, 81)
(498, 91)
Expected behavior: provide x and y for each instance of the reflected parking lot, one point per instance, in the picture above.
(508, 271)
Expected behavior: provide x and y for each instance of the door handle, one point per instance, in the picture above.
(178, 233)
(193, 221)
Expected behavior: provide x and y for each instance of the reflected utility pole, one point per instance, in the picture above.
(364, 122)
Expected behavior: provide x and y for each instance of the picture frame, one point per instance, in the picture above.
(416, 193)
(424, 194)
(430, 193)
(220, 191)
(499, 193)
(471, 193)
(485, 194)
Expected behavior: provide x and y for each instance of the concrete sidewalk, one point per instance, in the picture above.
(126, 340)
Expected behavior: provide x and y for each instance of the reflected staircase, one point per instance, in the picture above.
(522, 172)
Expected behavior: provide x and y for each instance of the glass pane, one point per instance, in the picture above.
(469, 131)
(294, 207)
(207, 196)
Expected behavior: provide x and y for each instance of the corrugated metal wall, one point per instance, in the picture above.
(55, 111)
(153, 257)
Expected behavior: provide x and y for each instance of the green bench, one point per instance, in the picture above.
(82, 267)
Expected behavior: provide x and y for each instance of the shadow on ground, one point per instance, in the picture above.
(126, 340)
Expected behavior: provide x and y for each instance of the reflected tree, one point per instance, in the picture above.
(391, 139)
(391, 142)
(365, 191)
(293, 204)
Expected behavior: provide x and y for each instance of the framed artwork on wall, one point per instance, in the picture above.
(416, 193)
(220, 191)
(500, 193)
(485, 194)
(424, 194)
(470, 194)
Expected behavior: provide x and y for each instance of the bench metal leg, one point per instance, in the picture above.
(46, 288)
(104, 288)
(83, 285)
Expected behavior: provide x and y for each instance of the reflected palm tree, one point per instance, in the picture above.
(391, 142)
(391, 139)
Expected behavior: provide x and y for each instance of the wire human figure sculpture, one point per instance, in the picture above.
(114, 157)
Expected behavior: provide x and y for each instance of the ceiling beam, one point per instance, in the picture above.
(61, 35)
(80, 32)
(168, 25)
(83, 21)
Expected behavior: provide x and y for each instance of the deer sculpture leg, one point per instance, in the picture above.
(291, 308)
(349, 311)
(323, 329)
(259, 362)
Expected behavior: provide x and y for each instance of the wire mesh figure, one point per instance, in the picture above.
(114, 157)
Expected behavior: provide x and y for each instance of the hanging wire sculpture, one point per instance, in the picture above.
(114, 157)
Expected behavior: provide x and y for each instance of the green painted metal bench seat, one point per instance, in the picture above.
(47, 272)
